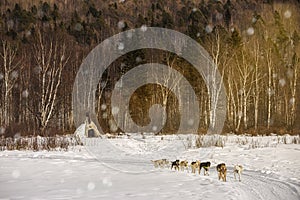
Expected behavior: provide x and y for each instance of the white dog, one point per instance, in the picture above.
(237, 170)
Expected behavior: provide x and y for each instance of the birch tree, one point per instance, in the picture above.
(11, 72)
(218, 51)
(246, 74)
(50, 57)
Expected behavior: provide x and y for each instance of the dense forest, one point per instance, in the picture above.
(255, 44)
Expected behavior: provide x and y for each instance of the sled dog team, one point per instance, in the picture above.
(197, 165)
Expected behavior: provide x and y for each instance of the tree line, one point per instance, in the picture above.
(256, 46)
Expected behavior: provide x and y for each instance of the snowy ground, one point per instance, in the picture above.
(125, 171)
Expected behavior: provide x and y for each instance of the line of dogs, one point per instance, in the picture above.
(197, 165)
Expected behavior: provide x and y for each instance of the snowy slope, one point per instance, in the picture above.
(122, 170)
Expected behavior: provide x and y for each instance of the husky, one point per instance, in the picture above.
(160, 163)
(221, 168)
(237, 170)
(183, 165)
(156, 163)
(165, 162)
(195, 165)
(175, 164)
(206, 166)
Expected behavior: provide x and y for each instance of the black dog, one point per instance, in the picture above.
(175, 164)
(206, 166)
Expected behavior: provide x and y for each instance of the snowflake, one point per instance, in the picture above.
(2, 130)
(91, 186)
(25, 93)
(154, 128)
(287, 14)
(282, 82)
(121, 46)
(16, 174)
(103, 107)
(292, 101)
(121, 24)
(250, 31)
(107, 182)
(115, 110)
(209, 28)
(144, 28)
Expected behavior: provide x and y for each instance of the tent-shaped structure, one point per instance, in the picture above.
(91, 129)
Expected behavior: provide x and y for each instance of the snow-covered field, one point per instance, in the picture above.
(123, 170)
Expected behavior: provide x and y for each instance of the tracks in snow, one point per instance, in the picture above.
(254, 184)
(257, 185)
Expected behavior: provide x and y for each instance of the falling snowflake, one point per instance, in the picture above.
(25, 93)
(138, 59)
(2, 130)
(103, 107)
(292, 101)
(115, 110)
(209, 28)
(250, 31)
(282, 82)
(154, 128)
(28, 33)
(287, 14)
(254, 19)
(107, 182)
(91, 186)
(121, 24)
(121, 46)
(198, 34)
(1, 76)
(144, 28)
(104, 115)
(14, 74)
(194, 9)
(15, 174)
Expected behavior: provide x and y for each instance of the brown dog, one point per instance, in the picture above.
(183, 165)
(195, 165)
(221, 168)
(160, 163)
